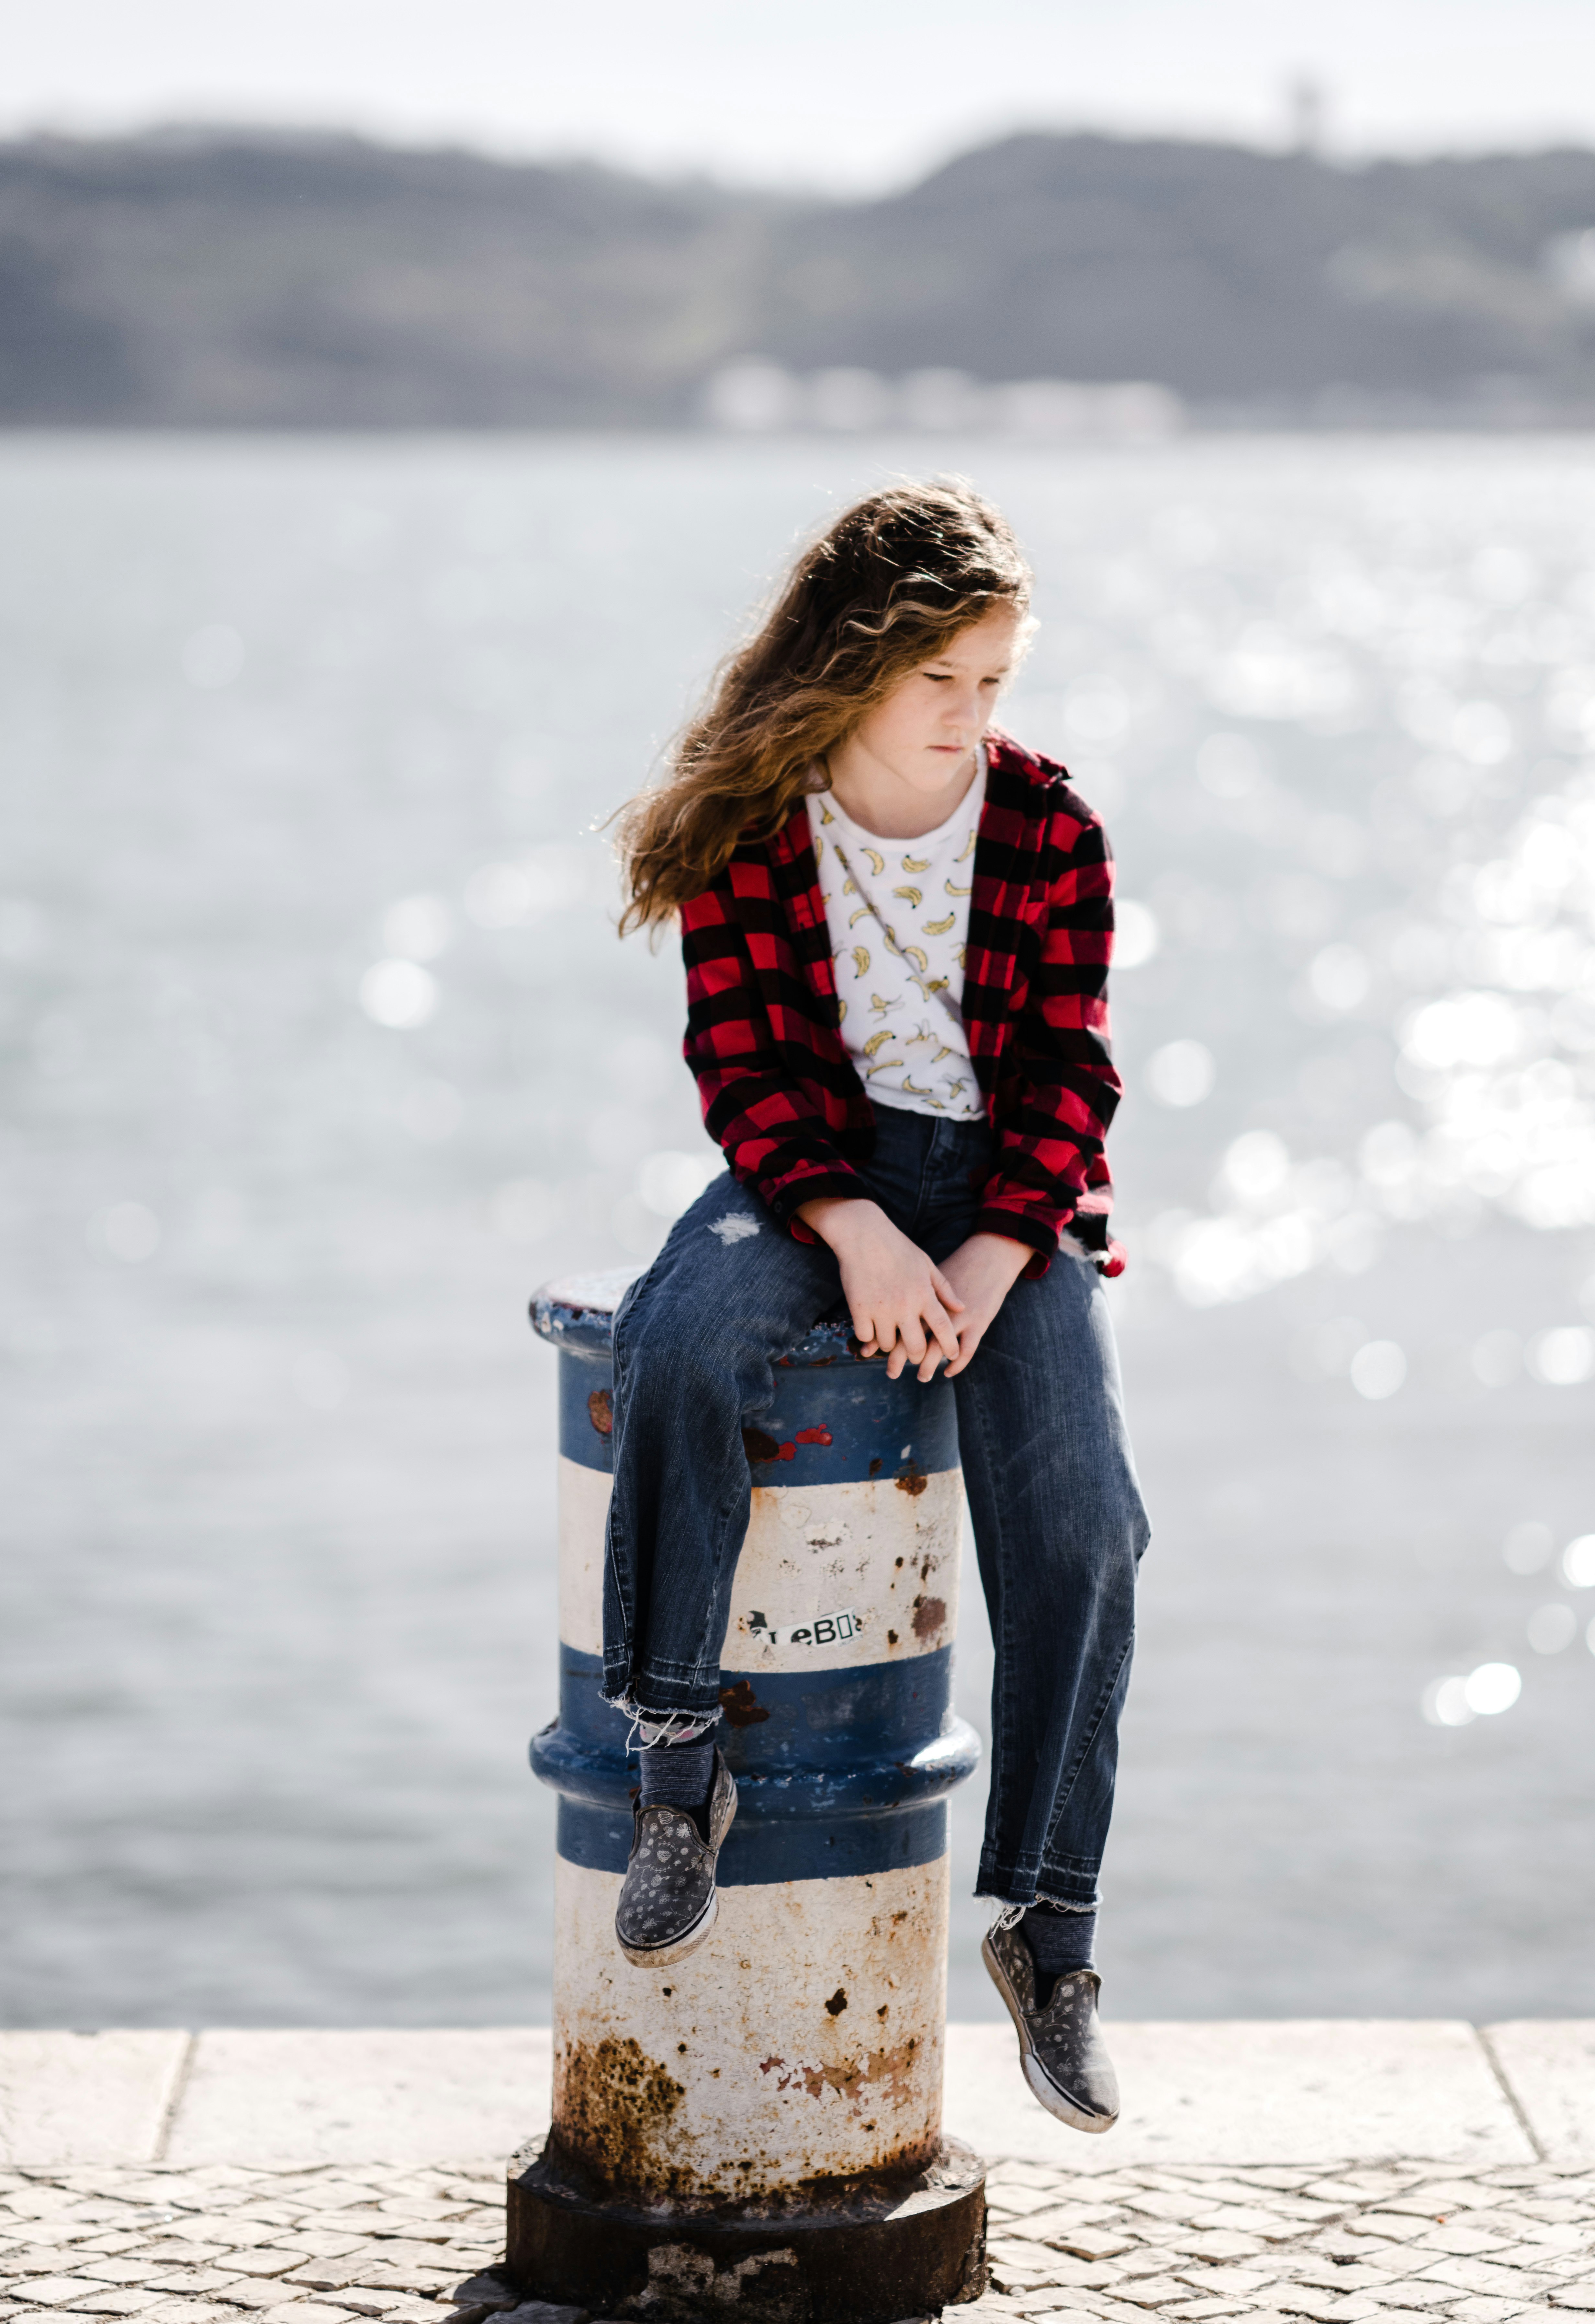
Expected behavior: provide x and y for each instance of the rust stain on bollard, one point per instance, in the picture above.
(912, 1482)
(741, 1707)
(601, 1411)
(612, 2100)
(930, 1615)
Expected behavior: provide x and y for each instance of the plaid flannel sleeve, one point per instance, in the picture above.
(1059, 1089)
(778, 1135)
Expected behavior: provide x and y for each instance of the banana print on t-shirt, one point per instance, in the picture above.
(898, 916)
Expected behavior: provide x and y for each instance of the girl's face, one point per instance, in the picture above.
(925, 732)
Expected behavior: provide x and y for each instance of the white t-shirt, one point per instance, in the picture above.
(898, 911)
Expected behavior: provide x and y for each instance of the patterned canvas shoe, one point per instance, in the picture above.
(667, 1901)
(1065, 2059)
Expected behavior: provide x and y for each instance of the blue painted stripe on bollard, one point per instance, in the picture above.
(872, 1788)
(838, 1425)
(775, 1721)
(763, 1855)
(825, 1783)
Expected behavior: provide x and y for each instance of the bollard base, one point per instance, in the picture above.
(864, 2251)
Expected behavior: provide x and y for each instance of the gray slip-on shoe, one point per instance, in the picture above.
(667, 1901)
(1065, 2059)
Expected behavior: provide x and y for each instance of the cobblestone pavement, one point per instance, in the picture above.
(224, 2244)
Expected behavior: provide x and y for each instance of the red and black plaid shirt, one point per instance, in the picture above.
(763, 1036)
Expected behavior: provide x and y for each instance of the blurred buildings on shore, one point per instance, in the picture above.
(1042, 286)
(764, 399)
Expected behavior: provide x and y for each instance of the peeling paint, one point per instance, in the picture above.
(760, 1446)
(601, 1411)
(912, 1482)
(859, 2081)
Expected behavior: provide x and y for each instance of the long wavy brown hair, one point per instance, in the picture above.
(889, 586)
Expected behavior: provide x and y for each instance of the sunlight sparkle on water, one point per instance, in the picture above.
(1564, 1358)
(1550, 1629)
(1378, 1371)
(670, 1183)
(399, 994)
(1528, 1547)
(1135, 934)
(1181, 1074)
(1484, 1694)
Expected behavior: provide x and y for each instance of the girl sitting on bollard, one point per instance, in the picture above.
(897, 924)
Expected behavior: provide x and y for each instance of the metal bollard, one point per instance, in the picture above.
(758, 2128)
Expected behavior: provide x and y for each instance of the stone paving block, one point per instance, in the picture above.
(189, 2311)
(348, 2096)
(76, 2099)
(1292, 2091)
(1549, 2065)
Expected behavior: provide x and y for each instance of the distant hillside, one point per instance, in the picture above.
(240, 281)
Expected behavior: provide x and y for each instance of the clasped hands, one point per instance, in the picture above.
(903, 1306)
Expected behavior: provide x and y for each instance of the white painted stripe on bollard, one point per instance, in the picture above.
(804, 2039)
(888, 1557)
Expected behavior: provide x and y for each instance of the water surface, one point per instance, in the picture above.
(279, 1466)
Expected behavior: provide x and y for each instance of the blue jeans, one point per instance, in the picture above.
(1059, 1523)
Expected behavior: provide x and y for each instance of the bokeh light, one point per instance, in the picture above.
(1564, 1358)
(670, 1183)
(1181, 1074)
(1378, 1371)
(1551, 1628)
(130, 1231)
(1492, 1688)
(398, 993)
(1136, 935)
(1528, 1547)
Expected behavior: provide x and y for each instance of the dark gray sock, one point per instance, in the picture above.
(1058, 1942)
(679, 1776)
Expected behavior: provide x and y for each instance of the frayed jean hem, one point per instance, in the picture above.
(659, 1699)
(1073, 1892)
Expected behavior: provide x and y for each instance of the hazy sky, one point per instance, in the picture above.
(843, 92)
